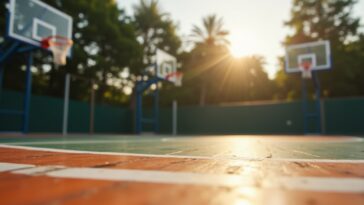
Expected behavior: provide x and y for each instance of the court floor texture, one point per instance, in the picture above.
(158, 170)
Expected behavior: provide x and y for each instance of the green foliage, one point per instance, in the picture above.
(241, 79)
(155, 30)
(104, 45)
(327, 20)
(322, 19)
(108, 42)
(209, 52)
(225, 78)
(213, 76)
(212, 32)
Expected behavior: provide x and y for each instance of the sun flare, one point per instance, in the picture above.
(238, 51)
(244, 46)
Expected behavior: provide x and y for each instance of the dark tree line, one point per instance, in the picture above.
(328, 20)
(114, 49)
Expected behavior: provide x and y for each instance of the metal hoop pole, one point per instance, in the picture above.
(139, 108)
(304, 106)
(92, 108)
(175, 117)
(1, 79)
(318, 101)
(156, 109)
(66, 104)
(28, 93)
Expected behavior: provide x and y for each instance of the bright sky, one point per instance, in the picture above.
(256, 26)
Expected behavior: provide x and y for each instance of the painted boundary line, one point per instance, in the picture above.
(318, 184)
(183, 157)
(166, 139)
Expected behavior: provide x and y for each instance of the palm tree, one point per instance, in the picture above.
(212, 33)
(155, 28)
(209, 39)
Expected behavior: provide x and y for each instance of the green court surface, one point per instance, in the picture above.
(219, 147)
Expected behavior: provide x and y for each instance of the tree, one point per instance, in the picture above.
(104, 46)
(322, 19)
(105, 43)
(155, 29)
(246, 80)
(327, 20)
(209, 51)
(212, 33)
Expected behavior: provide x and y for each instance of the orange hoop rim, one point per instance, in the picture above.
(306, 66)
(175, 77)
(56, 41)
(174, 74)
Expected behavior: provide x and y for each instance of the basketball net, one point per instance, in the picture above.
(306, 68)
(59, 47)
(175, 77)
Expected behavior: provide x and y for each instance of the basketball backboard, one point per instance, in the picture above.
(31, 21)
(317, 54)
(166, 65)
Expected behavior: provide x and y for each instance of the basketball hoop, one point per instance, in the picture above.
(176, 78)
(59, 46)
(306, 68)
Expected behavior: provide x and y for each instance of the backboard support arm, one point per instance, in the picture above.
(12, 47)
(141, 87)
(316, 114)
(1, 78)
(28, 93)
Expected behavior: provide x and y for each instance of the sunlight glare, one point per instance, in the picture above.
(253, 44)
(244, 45)
(128, 90)
(242, 202)
(239, 51)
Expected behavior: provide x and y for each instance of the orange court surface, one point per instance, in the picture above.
(238, 170)
(183, 102)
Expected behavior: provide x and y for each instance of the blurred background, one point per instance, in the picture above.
(231, 53)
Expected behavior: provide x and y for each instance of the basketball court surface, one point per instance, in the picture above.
(165, 170)
(239, 170)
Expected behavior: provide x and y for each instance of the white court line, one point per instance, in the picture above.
(185, 139)
(318, 184)
(77, 142)
(4, 167)
(344, 161)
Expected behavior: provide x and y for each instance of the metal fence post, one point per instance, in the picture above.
(92, 108)
(66, 104)
(175, 118)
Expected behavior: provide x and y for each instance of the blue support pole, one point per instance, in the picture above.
(304, 106)
(26, 49)
(141, 87)
(28, 92)
(10, 51)
(318, 103)
(156, 109)
(316, 114)
(2, 57)
(156, 100)
(1, 79)
(139, 107)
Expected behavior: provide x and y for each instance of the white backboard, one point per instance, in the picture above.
(31, 21)
(166, 64)
(318, 53)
